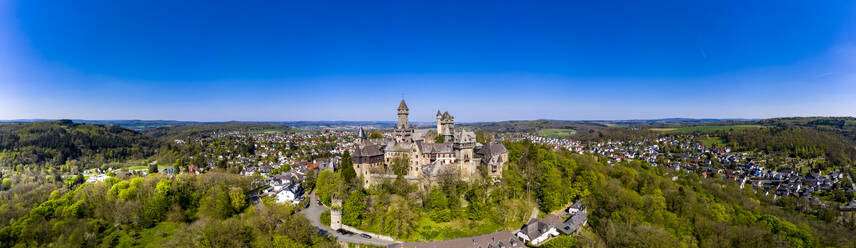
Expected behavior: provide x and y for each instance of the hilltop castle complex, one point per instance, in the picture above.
(427, 157)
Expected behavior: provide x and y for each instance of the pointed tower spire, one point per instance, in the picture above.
(402, 105)
(361, 134)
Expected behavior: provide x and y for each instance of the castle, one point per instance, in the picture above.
(457, 153)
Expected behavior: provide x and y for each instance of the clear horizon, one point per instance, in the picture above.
(481, 61)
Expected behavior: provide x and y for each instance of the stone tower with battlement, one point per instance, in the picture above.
(445, 124)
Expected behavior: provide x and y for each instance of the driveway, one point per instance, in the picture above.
(313, 213)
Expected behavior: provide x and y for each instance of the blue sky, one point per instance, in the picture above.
(480, 60)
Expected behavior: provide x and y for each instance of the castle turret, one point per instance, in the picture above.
(439, 123)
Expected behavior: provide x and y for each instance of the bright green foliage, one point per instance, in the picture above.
(55, 195)
(399, 219)
(325, 186)
(111, 181)
(551, 190)
(286, 242)
(157, 204)
(7, 183)
(94, 215)
(228, 233)
(353, 208)
(325, 218)
(439, 206)
(440, 138)
(238, 199)
(794, 235)
(216, 203)
(375, 135)
(281, 169)
(347, 168)
(560, 242)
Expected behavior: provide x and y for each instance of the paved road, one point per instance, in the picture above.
(313, 213)
(534, 214)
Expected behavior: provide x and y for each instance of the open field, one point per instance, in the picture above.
(556, 132)
(712, 141)
(661, 129)
(703, 128)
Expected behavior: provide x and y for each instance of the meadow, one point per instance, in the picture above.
(556, 132)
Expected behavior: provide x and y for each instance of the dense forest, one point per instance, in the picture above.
(56, 142)
(631, 204)
(792, 141)
(201, 130)
(208, 210)
(636, 205)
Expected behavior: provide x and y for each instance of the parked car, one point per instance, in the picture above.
(365, 236)
(344, 232)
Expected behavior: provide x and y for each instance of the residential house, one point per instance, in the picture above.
(537, 232)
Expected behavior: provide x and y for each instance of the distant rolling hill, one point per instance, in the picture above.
(55, 142)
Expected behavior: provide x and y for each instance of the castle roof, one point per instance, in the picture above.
(438, 113)
(428, 148)
(492, 148)
(402, 105)
(446, 115)
(370, 150)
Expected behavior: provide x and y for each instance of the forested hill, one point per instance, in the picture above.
(535, 126)
(55, 142)
(168, 133)
(844, 126)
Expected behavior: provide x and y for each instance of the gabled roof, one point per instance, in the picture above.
(369, 150)
(492, 149)
(574, 223)
(536, 228)
(428, 148)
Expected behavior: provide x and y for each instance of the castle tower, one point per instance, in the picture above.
(336, 214)
(403, 111)
(439, 123)
(448, 125)
(402, 130)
